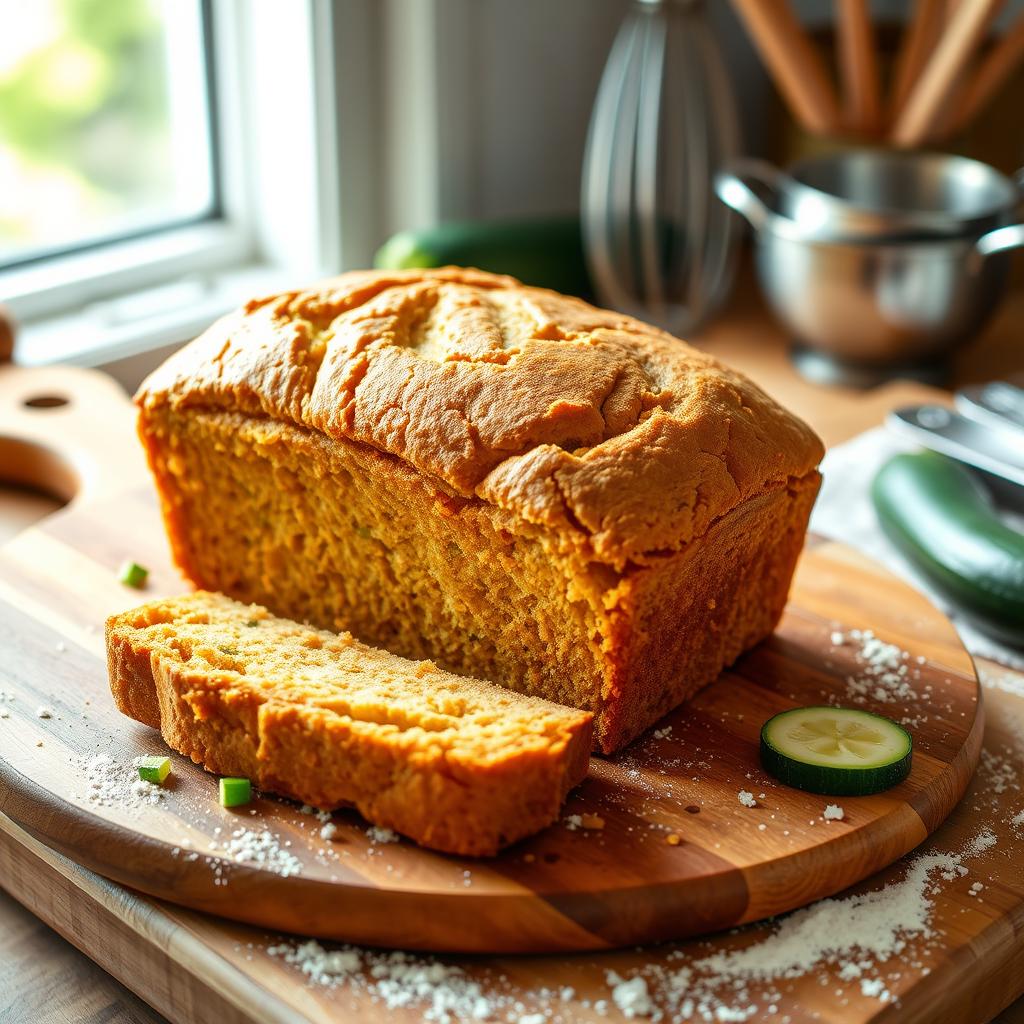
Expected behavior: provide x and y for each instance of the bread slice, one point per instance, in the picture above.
(457, 764)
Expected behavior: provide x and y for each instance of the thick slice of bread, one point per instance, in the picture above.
(457, 764)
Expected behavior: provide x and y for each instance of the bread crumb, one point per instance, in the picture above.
(672, 839)
(833, 812)
(746, 798)
(592, 821)
(377, 834)
(529, 858)
(573, 822)
(329, 831)
(43, 712)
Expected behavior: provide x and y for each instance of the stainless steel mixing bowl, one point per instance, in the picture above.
(931, 193)
(883, 193)
(874, 302)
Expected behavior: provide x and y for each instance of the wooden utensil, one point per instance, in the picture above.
(858, 66)
(794, 64)
(919, 38)
(926, 105)
(996, 68)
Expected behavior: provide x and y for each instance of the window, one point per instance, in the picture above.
(105, 123)
(164, 160)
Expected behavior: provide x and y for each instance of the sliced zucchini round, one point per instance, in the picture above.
(836, 751)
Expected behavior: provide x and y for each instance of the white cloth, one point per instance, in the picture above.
(844, 512)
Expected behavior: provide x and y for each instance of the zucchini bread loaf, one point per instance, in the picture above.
(457, 764)
(510, 482)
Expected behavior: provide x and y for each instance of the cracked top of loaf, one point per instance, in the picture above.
(566, 415)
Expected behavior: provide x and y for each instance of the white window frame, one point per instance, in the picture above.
(289, 79)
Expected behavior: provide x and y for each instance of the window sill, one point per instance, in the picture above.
(124, 329)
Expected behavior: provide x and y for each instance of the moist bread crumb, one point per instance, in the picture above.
(509, 482)
(457, 764)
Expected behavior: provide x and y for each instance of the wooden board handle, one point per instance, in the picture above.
(67, 431)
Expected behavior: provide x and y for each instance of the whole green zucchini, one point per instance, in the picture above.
(546, 252)
(937, 514)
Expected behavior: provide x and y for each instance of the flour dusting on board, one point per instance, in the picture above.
(870, 951)
(262, 849)
(884, 669)
(108, 783)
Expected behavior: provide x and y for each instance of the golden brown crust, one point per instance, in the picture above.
(620, 436)
(454, 763)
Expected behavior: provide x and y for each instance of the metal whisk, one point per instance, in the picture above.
(659, 244)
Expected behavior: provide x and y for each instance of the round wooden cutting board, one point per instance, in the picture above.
(671, 851)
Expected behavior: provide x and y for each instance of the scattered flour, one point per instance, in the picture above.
(746, 798)
(108, 783)
(329, 831)
(1003, 772)
(833, 812)
(984, 840)
(735, 985)
(590, 822)
(876, 926)
(382, 835)
(397, 980)
(262, 849)
(874, 988)
(1009, 683)
(321, 816)
(883, 675)
(631, 997)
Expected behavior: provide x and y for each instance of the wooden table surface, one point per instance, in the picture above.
(43, 978)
